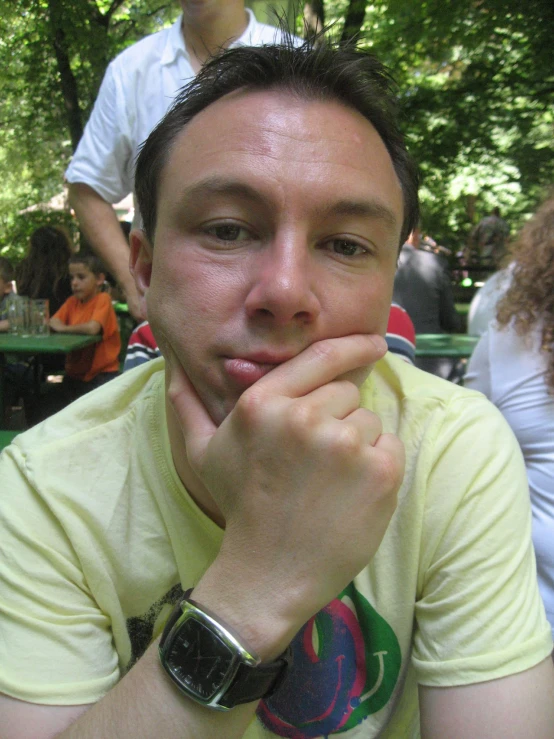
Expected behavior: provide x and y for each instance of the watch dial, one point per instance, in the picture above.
(199, 659)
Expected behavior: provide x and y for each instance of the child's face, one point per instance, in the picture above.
(84, 283)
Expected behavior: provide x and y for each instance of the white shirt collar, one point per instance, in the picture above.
(175, 43)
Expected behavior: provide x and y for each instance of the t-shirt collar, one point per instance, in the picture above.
(175, 43)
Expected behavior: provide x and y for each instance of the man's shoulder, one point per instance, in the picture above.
(396, 384)
(258, 33)
(143, 52)
(109, 414)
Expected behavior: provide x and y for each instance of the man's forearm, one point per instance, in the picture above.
(146, 704)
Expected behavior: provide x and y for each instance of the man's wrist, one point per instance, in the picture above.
(259, 624)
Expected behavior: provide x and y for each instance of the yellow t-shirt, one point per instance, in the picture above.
(98, 537)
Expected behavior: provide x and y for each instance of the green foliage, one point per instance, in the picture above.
(53, 54)
(476, 84)
(23, 225)
(476, 87)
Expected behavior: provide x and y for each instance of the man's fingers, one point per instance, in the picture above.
(392, 458)
(193, 417)
(367, 424)
(321, 363)
(337, 399)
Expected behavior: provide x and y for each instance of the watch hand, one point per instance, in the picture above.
(217, 660)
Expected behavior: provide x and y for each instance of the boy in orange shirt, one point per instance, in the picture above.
(88, 311)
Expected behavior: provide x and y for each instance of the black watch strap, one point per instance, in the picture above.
(253, 683)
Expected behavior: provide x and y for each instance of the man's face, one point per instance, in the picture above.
(278, 225)
(197, 9)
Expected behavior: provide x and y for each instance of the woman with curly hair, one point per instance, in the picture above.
(513, 364)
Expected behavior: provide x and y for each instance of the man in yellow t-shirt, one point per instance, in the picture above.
(357, 542)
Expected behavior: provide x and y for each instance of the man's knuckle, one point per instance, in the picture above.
(250, 406)
(326, 351)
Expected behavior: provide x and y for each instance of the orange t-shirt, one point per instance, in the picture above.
(85, 364)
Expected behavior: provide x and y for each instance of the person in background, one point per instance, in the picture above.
(44, 272)
(278, 483)
(7, 276)
(489, 240)
(400, 338)
(18, 374)
(482, 309)
(422, 287)
(88, 311)
(513, 365)
(142, 347)
(138, 88)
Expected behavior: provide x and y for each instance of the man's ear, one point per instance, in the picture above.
(140, 261)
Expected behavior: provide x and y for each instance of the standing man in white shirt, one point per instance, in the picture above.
(138, 88)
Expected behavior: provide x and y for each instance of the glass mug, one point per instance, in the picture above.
(39, 314)
(18, 315)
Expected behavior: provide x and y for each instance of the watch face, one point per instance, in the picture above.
(199, 659)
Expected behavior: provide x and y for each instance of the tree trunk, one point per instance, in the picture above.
(354, 19)
(68, 82)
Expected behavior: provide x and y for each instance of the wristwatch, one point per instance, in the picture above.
(207, 661)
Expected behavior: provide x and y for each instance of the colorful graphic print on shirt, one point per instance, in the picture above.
(346, 663)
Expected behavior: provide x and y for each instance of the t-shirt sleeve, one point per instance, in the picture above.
(104, 157)
(478, 611)
(104, 314)
(62, 313)
(48, 616)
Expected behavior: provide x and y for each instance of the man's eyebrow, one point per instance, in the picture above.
(363, 208)
(218, 186)
(213, 186)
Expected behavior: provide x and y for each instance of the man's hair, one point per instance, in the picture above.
(7, 272)
(346, 75)
(90, 261)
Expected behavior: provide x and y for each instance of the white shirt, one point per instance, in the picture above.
(136, 92)
(482, 309)
(510, 371)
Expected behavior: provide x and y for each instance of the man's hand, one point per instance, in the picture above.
(303, 476)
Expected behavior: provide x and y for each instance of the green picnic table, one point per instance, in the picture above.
(30, 346)
(458, 346)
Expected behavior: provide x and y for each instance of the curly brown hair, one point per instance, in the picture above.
(530, 298)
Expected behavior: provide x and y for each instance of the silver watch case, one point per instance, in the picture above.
(238, 654)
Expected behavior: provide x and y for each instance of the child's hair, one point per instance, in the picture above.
(7, 272)
(90, 261)
(45, 266)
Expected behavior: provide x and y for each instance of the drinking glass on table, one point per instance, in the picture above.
(19, 316)
(39, 317)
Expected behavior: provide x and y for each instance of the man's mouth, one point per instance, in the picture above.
(245, 371)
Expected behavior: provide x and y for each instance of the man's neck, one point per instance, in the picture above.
(205, 34)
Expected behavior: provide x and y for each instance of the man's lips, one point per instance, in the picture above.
(246, 371)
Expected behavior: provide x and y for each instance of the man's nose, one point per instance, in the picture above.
(283, 283)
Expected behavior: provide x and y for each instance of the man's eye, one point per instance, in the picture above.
(228, 232)
(347, 248)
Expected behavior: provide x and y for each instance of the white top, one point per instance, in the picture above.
(510, 370)
(136, 92)
(482, 309)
